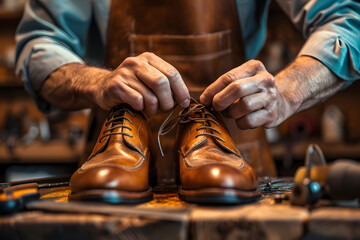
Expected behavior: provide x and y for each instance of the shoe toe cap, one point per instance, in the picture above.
(219, 175)
(107, 177)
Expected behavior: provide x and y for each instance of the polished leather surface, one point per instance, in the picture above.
(121, 156)
(208, 157)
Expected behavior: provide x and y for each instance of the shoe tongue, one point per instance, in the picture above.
(195, 127)
(117, 114)
(208, 140)
(127, 119)
(197, 113)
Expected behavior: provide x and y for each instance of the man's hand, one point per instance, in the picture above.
(145, 82)
(247, 94)
(254, 98)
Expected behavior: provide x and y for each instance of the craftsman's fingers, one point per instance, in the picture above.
(153, 79)
(249, 104)
(119, 93)
(177, 84)
(162, 78)
(253, 120)
(241, 88)
(246, 70)
(269, 115)
(149, 99)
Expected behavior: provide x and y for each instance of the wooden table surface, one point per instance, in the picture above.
(167, 217)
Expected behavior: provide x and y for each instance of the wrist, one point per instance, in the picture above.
(306, 82)
(72, 86)
(289, 83)
(89, 82)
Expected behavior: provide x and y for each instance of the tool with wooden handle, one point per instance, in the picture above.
(13, 199)
(14, 196)
(338, 181)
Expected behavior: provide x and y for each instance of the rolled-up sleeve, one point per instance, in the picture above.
(50, 35)
(332, 30)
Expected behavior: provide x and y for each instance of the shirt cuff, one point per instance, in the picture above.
(335, 53)
(38, 59)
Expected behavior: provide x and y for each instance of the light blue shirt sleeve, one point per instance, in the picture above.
(51, 34)
(332, 30)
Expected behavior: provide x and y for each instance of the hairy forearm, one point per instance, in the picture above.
(306, 82)
(72, 87)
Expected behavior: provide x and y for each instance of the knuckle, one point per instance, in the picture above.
(245, 105)
(147, 55)
(229, 77)
(217, 102)
(160, 83)
(272, 114)
(173, 73)
(268, 78)
(238, 88)
(256, 64)
(131, 61)
(272, 95)
(138, 103)
(152, 101)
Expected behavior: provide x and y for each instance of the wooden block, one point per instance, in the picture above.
(37, 225)
(334, 223)
(254, 221)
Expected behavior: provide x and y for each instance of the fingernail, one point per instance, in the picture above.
(203, 99)
(185, 103)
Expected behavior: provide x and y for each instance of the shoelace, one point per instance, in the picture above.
(184, 117)
(121, 125)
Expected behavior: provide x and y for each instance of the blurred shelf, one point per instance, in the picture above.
(54, 151)
(14, 14)
(9, 84)
(331, 151)
(8, 78)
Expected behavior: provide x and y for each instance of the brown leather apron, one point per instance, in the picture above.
(202, 40)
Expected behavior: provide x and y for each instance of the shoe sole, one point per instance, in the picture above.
(218, 196)
(112, 196)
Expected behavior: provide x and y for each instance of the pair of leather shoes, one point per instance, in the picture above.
(210, 168)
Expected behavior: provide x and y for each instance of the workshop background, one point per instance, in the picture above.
(35, 145)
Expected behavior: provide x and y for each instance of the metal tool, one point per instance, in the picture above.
(13, 199)
(14, 196)
(47, 182)
(316, 180)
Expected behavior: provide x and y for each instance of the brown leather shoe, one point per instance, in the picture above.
(211, 169)
(117, 170)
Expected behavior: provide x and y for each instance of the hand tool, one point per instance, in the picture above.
(316, 180)
(15, 195)
(13, 199)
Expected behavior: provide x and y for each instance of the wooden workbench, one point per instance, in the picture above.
(166, 217)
